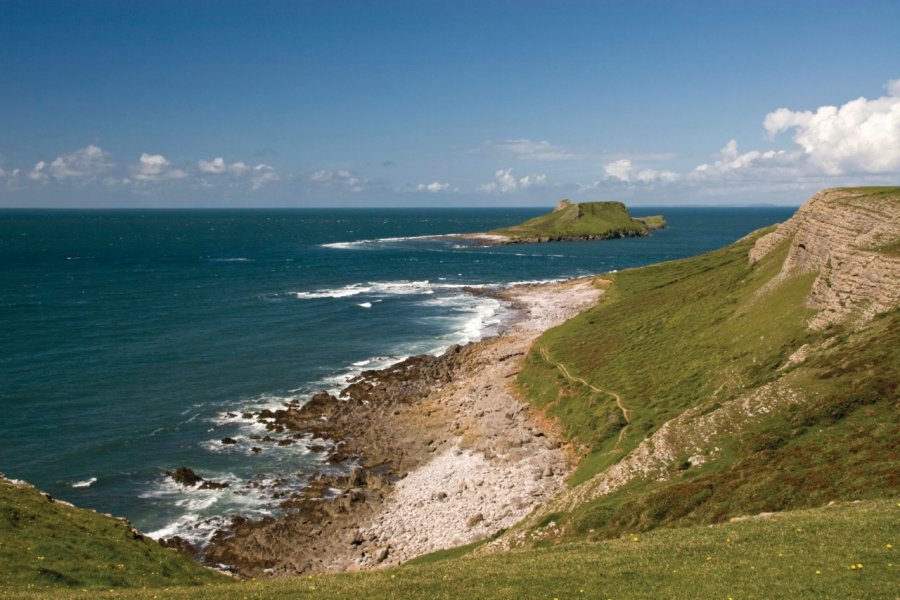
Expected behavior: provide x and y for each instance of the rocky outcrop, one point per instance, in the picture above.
(840, 234)
(186, 477)
(417, 453)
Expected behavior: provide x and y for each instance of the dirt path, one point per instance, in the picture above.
(565, 371)
(568, 375)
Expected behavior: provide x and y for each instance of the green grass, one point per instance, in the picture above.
(665, 338)
(875, 189)
(699, 333)
(47, 545)
(805, 554)
(583, 221)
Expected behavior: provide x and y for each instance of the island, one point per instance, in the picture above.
(571, 221)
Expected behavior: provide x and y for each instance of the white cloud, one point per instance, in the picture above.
(623, 170)
(893, 87)
(619, 169)
(86, 163)
(218, 166)
(504, 182)
(753, 164)
(261, 175)
(526, 149)
(861, 136)
(152, 168)
(434, 186)
(341, 178)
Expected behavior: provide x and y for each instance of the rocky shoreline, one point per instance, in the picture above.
(490, 239)
(432, 453)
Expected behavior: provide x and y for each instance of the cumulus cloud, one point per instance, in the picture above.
(505, 182)
(861, 136)
(433, 187)
(5, 173)
(261, 175)
(341, 178)
(218, 166)
(154, 168)
(624, 171)
(86, 163)
(734, 164)
(532, 150)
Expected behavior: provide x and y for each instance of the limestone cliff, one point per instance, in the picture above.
(843, 235)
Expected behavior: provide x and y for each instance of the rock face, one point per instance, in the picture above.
(841, 234)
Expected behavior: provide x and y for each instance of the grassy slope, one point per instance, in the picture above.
(666, 338)
(805, 554)
(588, 219)
(693, 333)
(47, 544)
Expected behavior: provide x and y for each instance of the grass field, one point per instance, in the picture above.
(840, 551)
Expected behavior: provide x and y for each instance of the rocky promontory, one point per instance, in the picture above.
(569, 221)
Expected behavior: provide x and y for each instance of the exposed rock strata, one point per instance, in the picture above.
(837, 234)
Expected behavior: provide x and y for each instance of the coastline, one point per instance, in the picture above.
(433, 452)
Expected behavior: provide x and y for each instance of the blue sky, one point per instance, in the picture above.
(444, 103)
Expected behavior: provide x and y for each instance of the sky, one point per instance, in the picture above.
(432, 103)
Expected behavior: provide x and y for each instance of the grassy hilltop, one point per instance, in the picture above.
(47, 544)
(584, 221)
(735, 417)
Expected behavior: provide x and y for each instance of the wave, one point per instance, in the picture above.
(85, 484)
(204, 511)
(235, 259)
(378, 288)
(387, 240)
(470, 318)
(536, 281)
(195, 514)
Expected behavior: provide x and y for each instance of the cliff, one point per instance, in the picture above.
(848, 238)
(761, 377)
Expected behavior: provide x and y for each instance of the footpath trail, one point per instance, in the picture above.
(568, 375)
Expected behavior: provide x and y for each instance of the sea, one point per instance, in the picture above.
(132, 341)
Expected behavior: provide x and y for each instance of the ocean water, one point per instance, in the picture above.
(132, 341)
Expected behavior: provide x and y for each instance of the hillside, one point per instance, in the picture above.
(760, 377)
(583, 221)
(46, 543)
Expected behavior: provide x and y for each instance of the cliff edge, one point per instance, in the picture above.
(849, 238)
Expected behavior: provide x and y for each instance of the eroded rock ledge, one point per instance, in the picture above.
(838, 234)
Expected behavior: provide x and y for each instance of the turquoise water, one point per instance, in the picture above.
(130, 341)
